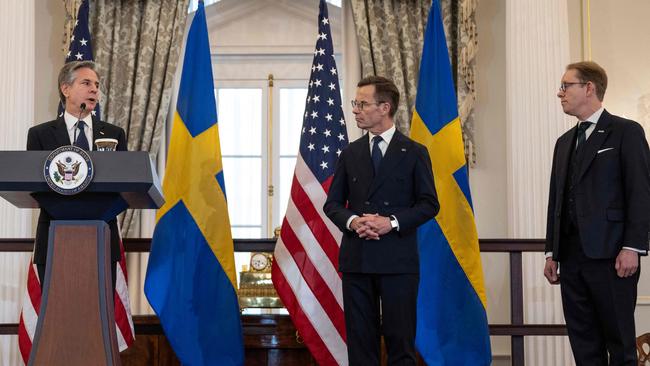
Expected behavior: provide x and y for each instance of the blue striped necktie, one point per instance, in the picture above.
(82, 140)
(376, 152)
(582, 135)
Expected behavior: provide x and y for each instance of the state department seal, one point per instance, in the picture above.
(68, 170)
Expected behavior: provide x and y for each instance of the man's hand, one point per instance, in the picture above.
(378, 224)
(627, 262)
(371, 226)
(550, 271)
(364, 231)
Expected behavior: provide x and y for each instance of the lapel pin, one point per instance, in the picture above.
(601, 131)
(403, 149)
(101, 132)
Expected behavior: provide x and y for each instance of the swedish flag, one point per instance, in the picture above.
(452, 322)
(190, 279)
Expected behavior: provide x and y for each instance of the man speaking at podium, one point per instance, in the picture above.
(79, 93)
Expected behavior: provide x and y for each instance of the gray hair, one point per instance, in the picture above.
(68, 74)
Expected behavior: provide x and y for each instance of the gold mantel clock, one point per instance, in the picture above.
(255, 286)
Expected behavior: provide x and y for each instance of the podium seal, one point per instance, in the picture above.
(68, 170)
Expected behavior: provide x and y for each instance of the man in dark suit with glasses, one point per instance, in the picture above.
(382, 190)
(598, 220)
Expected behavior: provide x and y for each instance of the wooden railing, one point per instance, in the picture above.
(517, 330)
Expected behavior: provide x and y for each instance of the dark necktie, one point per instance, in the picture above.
(582, 136)
(82, 140)
(376, 152)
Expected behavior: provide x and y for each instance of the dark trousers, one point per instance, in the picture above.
(598, 308)
(377, 304)
(41, 273)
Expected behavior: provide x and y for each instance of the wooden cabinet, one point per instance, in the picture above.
(269, 340)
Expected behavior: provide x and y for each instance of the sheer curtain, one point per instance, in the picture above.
(537, 50)
(17, 68)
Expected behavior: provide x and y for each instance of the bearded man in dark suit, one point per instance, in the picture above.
(382, 190)
(598, 220)
(79, 93)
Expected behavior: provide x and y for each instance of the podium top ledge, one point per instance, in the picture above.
(128, 173)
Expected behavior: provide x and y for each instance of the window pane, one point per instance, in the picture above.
(292, 108)
(241, 259)
(239, 232)
(243, 178)
(287, 166)
(240, 121)
(194, 4)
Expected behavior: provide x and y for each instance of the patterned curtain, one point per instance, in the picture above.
(390, 35)
(137, 44)
(71, 10)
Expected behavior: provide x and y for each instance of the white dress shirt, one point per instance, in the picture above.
(73, 130)
(383, 144)
(593, 119)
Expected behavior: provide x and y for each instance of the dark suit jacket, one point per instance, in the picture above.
(403, 187)
(612, 190)
(50, 135)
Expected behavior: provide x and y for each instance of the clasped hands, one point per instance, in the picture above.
(371, 226)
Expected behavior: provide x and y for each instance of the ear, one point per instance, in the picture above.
(65, 89)
(591, 88)
(385, 108)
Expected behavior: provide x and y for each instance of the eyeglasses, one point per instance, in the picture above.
(564, 86)
(362, 104)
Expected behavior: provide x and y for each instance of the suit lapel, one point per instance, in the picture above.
(396, 151)
(61, 132)
(98, 132)
(594, 142)
(362, 156)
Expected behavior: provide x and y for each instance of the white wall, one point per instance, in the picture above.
(620, 34)
(488, 180)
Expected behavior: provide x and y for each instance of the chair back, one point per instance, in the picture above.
(643, 349)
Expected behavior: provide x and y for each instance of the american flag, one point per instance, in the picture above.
(305, 271)
(80, 50)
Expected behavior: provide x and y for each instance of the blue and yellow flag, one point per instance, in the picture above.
(190, 279)
(452, 324)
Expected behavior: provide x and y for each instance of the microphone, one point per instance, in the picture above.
(82, 108)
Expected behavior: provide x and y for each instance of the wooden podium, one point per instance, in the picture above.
(76, 324)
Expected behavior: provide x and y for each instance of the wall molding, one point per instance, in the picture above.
(643, 300)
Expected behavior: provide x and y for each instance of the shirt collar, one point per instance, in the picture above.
(71, 121)
(596, 116)
(386, 135)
